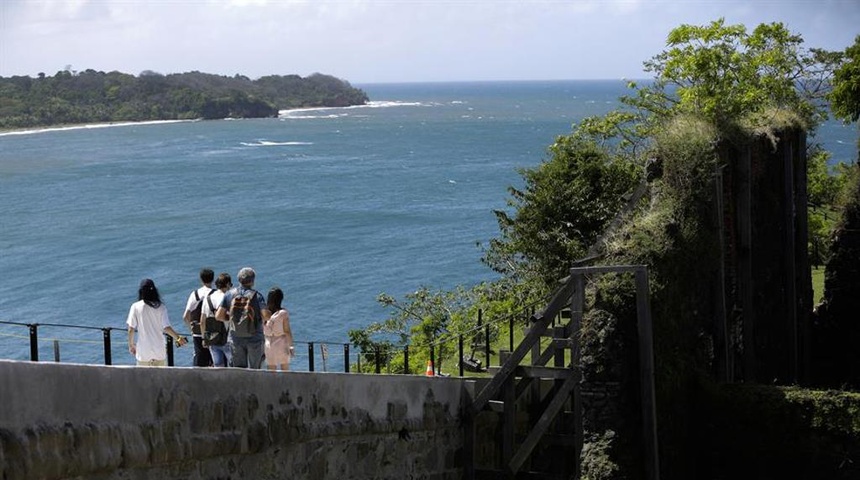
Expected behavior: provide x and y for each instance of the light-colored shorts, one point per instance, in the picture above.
(152, 363)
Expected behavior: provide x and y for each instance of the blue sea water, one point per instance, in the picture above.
(333, 205)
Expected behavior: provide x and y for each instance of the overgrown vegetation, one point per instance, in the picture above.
(761, 431)
(91, 96)
(716, 87)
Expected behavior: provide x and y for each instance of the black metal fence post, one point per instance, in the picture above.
(34, 342)
(487, 344)
(461, 354)
(310, 356)
(106, 337)
(169, 350)
(406, 359)
(433, 359)
(377, 360)
(345, 358)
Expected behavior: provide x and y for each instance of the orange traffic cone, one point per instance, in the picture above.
(429, 371)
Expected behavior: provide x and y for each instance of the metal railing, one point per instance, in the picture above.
(478, 338)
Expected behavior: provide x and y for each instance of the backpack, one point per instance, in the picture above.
(216, 330)
(243, 315)
(195, 314)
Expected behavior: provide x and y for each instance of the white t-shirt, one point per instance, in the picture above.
(192, 302)
(150, 324)
(217, 297)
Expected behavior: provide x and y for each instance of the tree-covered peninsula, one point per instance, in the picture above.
(92, 96)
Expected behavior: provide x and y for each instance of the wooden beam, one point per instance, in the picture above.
(745, 282)
(577, 309)
(542, 424)
(539, 325)
(790, 280)
(646, 371)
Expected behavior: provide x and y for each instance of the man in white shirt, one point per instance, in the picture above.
(193, 307)
(215, 332)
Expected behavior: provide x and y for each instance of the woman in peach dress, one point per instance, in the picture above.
(279, 336)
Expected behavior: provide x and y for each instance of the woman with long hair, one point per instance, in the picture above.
(279, 336)
(148, 317)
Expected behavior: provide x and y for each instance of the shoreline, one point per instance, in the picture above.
(83, 126)
(282, 114)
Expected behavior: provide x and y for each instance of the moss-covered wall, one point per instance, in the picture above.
(728, 277)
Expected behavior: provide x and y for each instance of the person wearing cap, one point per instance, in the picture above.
(148, 317)
(247, 349)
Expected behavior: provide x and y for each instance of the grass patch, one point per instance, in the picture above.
(817, 285)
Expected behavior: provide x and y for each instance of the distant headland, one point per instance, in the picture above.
(98, 97)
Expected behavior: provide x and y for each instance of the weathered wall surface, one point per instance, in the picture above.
(95, 422)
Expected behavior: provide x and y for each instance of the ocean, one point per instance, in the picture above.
(333, 205)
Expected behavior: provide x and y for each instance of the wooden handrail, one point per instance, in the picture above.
(540, 322)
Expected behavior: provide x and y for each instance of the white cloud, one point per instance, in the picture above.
(381, 40)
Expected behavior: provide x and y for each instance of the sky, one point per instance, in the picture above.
(380, 41)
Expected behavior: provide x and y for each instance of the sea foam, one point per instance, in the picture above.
(267, 143)
(88, 126)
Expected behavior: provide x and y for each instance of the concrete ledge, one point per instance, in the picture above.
(83, 421)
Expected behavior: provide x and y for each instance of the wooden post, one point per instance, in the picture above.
(509, 419)
(577, 306)
(805, 302)
(790, 280)
(745, 287)
(722, 352)
(646, 371)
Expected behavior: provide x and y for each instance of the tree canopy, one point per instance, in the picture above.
(92, 96)
(725, 73)
(845, 97)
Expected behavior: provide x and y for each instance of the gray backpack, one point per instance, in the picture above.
(243, 315)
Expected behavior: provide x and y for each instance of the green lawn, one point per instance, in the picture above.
(817, 284)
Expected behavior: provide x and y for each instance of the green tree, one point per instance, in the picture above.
(845, 96)
(565, 205)
(421, 320)
(725, 73)
(93, 96)
(824, 188)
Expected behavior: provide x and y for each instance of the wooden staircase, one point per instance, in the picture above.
(536, 403)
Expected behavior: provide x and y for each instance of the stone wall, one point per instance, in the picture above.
(62, 421)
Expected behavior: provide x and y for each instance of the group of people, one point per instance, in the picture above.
(230, 326)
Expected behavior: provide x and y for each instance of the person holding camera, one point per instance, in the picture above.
(148, 317)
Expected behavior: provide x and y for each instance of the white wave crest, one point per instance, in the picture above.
(302, 113)
(292, 116)
(267, 143)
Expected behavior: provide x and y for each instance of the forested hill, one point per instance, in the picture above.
(91, 96)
